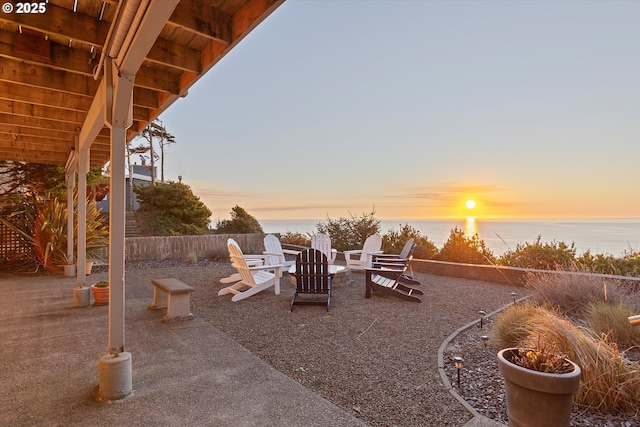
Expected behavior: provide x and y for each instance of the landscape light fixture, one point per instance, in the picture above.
(485, 340)
(458, 362)
(482, 313)
(514, 295)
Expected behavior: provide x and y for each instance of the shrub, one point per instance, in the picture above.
(541, 256)
(298, 239)
(511, 326)
(461, 248)
(350, 233)
(612, 319)
(50, 233)
(609, 382)
(240, 223)
(627, 265)
(573, 292)
(172, 209)
(393, 242)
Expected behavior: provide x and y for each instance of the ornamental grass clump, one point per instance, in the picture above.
(613, 319)
(609, 382)
(573, 292)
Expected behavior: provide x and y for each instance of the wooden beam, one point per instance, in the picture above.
(60, 58)
(145, 98)
(204, 20)
(212, 53)
(154, 79)
(38, 76)
(174, 55)
(33, 156)
(18, 131)
(23, 131)
(7, 142)
(43, 96)
(63, 21)
(41, 123)
(30, 110)
(250, 15)
(140, 113)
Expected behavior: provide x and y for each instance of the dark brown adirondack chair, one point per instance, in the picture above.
(397, 261)
(312, 277)
(403, 257)
(391, 282)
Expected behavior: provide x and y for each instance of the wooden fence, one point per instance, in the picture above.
(12, 246)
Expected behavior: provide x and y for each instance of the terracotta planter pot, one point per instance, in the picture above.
(537, 399)
(100, 295)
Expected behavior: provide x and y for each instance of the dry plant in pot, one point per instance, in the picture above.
(539, 386)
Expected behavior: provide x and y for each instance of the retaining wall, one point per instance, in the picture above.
(214, 246)
(505, 275)
(211, 246)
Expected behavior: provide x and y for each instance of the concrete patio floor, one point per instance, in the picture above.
(184, 373)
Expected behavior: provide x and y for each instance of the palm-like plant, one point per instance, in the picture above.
(43, 225)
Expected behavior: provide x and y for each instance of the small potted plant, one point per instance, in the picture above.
(539, 385)
(101, 292)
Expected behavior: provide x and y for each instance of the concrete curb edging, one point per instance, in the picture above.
(445, 344)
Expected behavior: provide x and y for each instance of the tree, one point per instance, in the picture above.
(155, 132)
(29, 179)
(240, 223)
(393, 242)
(172, 209)
(460, 248)
(542, 256)
(350, 233)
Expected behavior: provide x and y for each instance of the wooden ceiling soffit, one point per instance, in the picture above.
(43, 77)
(203, 20)
(64, 22)
(23, 109)
(174, 55)
(158, 80)
(33, 156)
(44, 96)
(145, 98)
(40, 123)
(60, 57)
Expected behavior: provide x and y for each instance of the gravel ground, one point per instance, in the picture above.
(376, 358)
(482, 386)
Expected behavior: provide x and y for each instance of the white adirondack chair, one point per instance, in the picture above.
(252, 261)
(322, 242)
(275, 253)
(252, 279)
(359, 259)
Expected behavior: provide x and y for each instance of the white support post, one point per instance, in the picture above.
(115, 368)
(70, 179)
(83, 168)
(116, 92)
(116, 241)
(119, 118)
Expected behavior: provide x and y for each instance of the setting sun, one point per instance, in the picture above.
(470, 204)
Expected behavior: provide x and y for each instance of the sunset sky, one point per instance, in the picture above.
(411, 108)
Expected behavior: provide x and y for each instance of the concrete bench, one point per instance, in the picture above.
(175, 296)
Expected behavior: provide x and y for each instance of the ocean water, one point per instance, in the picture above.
(600, 236)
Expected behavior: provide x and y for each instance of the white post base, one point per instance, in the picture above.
(69, 270)
(81, 297)
(115, 376)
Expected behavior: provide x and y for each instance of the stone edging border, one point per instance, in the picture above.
(445, 344)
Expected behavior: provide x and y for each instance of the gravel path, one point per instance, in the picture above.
(376, 358)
